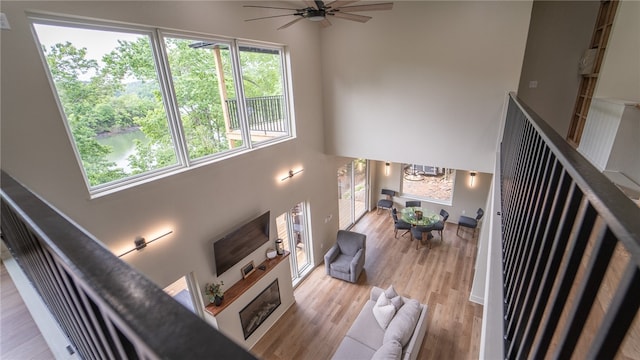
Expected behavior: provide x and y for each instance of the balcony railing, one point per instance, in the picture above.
(106, 309)
(265, 114)
(570, 246)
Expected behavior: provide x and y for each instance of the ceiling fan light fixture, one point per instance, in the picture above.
(321, 11)
(315, 15)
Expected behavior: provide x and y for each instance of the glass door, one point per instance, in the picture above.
(293, 230)
(352, 192)
(360, 185)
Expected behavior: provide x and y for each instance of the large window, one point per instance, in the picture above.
(428, 183)
(142, 102)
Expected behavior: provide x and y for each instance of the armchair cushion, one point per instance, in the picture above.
(348, 243)
(341, 263)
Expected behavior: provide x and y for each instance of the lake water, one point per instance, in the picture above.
(122, 146)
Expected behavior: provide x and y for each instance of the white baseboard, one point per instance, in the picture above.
(476, 299)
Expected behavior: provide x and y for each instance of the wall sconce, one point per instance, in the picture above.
(291, 174)
(141, 242)
(473, 176)
(387, 169)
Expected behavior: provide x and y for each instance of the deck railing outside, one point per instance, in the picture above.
(105, 308)
(566, 232)
(265, 113)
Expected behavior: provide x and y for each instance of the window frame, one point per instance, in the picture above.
(156, 36)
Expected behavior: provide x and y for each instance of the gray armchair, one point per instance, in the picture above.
(345, 259)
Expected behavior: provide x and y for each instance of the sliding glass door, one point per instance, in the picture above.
(353, 182)
(292, 229)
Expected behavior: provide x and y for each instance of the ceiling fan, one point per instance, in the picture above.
(320, 12)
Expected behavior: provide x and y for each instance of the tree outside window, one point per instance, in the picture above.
(132, 118)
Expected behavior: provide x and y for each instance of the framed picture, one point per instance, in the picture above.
(248, 269)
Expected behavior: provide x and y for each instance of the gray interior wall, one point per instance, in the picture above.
(559, 33)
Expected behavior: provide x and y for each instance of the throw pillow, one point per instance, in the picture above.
(383, 311)
(390, 292)
(403, 324)
(397, 302)
(388, 351)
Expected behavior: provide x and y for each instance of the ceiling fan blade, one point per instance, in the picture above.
(267, 7)
(311, 3)
(370, 7)
(353, 17)
(269, 17)
(325, 23)
(336, 4)
(290, 23)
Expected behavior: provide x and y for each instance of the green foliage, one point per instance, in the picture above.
(196, 85)
(122, 92)
(261, 74)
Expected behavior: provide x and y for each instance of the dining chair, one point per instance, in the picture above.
(469, 222)
(439, 226)
(399, 224)
(387, 202)
(422, 233)
(413, 203)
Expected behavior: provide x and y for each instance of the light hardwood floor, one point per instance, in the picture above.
(439, 277)
(19, 336)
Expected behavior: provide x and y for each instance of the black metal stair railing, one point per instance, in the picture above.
(106, 308)
(561, 216)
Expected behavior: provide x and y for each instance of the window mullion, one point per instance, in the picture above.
(286, 85)
(242, 109)
(173, 114)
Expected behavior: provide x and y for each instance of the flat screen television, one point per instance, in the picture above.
(241, 242)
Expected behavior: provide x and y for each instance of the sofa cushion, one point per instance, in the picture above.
(383, 311)
(391, 350)
(403, 323)
(342, 263)
(365, 328)
(350, 349)
(397, 302)
(390, 292)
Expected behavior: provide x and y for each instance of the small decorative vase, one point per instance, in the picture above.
(218, 300)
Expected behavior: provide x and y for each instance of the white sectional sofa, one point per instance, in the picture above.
(402, 338)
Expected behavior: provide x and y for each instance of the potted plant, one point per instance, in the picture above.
(214, 292)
